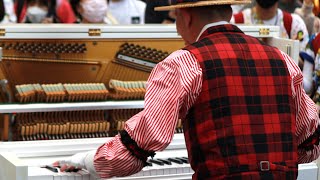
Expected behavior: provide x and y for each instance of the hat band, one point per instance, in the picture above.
(174, 2)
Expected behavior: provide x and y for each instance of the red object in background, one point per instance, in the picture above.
(316, 43)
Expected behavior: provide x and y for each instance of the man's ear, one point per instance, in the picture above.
(187, 18)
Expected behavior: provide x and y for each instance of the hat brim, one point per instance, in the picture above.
(201, 3)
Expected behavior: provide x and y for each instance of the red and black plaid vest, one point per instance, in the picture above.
(242, 126)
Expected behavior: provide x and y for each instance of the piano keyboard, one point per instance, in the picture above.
(166, 167)
(175, 168)
(35, 155)
(163, 165)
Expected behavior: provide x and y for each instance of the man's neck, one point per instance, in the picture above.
(206, 26)
(265, 14)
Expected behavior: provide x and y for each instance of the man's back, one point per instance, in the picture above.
(244, 118)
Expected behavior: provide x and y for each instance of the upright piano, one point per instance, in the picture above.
(66, 89)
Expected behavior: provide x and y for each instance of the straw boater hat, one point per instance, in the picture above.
(195, 3)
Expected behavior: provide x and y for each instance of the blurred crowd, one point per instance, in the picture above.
(297, 19)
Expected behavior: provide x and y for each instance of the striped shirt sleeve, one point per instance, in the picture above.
(307, 119)
(172, 88)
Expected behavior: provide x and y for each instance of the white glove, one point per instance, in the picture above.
(78, 161)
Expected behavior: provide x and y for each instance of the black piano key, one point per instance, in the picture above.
(51, 168)
(165, 161)
(76, 170)
(186, 161)
(72, 170)
(186, 158)
(156, 162)
(175, 160)
(148, 164)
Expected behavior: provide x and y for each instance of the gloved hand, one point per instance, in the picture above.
(78, 161)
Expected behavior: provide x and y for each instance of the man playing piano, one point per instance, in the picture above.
(245, 113)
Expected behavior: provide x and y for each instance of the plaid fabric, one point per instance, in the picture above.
(242, 126)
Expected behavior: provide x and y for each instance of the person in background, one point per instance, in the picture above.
(90, 11)
(127, 11)
(44, 11)
(155, 17)
(238, 8)
(313, 25)
(2, 10)
(267, 12)
(7, 14)
(311, 56)
(307, 13)
(245, 114)
(291, 26)
(289, 5)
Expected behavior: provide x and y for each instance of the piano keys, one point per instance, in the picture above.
(149, 172)
(26, 158)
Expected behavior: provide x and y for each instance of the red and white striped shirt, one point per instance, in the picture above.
(172, 89)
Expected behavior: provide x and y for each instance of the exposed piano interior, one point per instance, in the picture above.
(67, 88)
(96, 64)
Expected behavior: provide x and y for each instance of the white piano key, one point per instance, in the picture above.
(186, 169)
(63, 175)
(93, 178)
(37, 173)
(70, 176)
(146, 171)
(173, 170)
(166, 171)
(137, 174)
(156, 170)
(57, 177)
(84, 174)
(76, 176)
(41, 177)
(179, 170)
(160, 171)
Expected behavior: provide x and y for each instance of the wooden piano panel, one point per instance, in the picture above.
(49, 72)
(97, 49)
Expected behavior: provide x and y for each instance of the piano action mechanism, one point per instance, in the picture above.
(70, 63)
